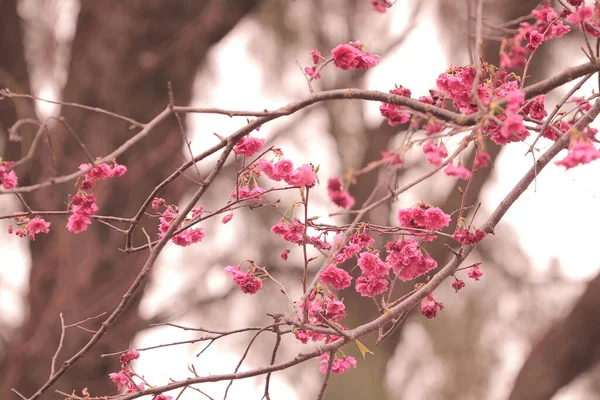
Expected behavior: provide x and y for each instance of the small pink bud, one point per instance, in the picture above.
(227, 218)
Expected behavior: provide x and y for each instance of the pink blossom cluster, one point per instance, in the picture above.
(548, 25)
(458, 285)
(248, 282)
(482, 159)
(465, 236)
(124, 379)
(586, 17)
(353, 56)
(423, 216)
(580, 152)
(244, 192)
(456, 83)
(475, 273)
(7, 179)
(303, 176)
(434, 153)
(393, 113)
(512, 128)
(30, 227)
(339, 366)
(337, 195)
(407, 260)
(457, 171)
(100, 173)
(430, 307)
(294, 233)
(355, 244)
(317, 59)
(188, 236)
(374, 277)
(129, 356)
(321, 304)
(83, 204)
(335, 277)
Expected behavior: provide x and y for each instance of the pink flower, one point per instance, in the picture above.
(434, 153)
(248, 146)
(103, 171)
(583, 105)
(535, 108)
(393, 113)
(336, 277)
(457, 285)
(465, 236)
(247, 282)
(513, 125)
(301, 335)
(516, 99)
(339, 366)
(436, 218)
(345, 57)
(430, 307)
(316, 56)
(457, 171)
(423, 217)
(312, 72)
(163, 397)
(289, 232)
(9, 180)
(551, 133)
(369, 287)
(366, 61)
(339, 197)
(559, 29)
(335, 311)
(580, 15)
(350, 56)
(515, 58)
(535, 39)
(580, 152)
(303, 176)
(380, 6)
(129, 356)
(475, 273)
(78, 223)
(188, 237)
(246, 193)
(120, 379)
(392, 157)
(157, 202)
(227, 218)
(37, 225)
(118, 170)
(371, 265)
(284, 168)
(482, 159)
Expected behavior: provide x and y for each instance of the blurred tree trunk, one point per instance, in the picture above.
(123, 55)
(13, 74)
(569, 348)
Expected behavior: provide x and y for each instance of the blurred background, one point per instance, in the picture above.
(530, 329)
